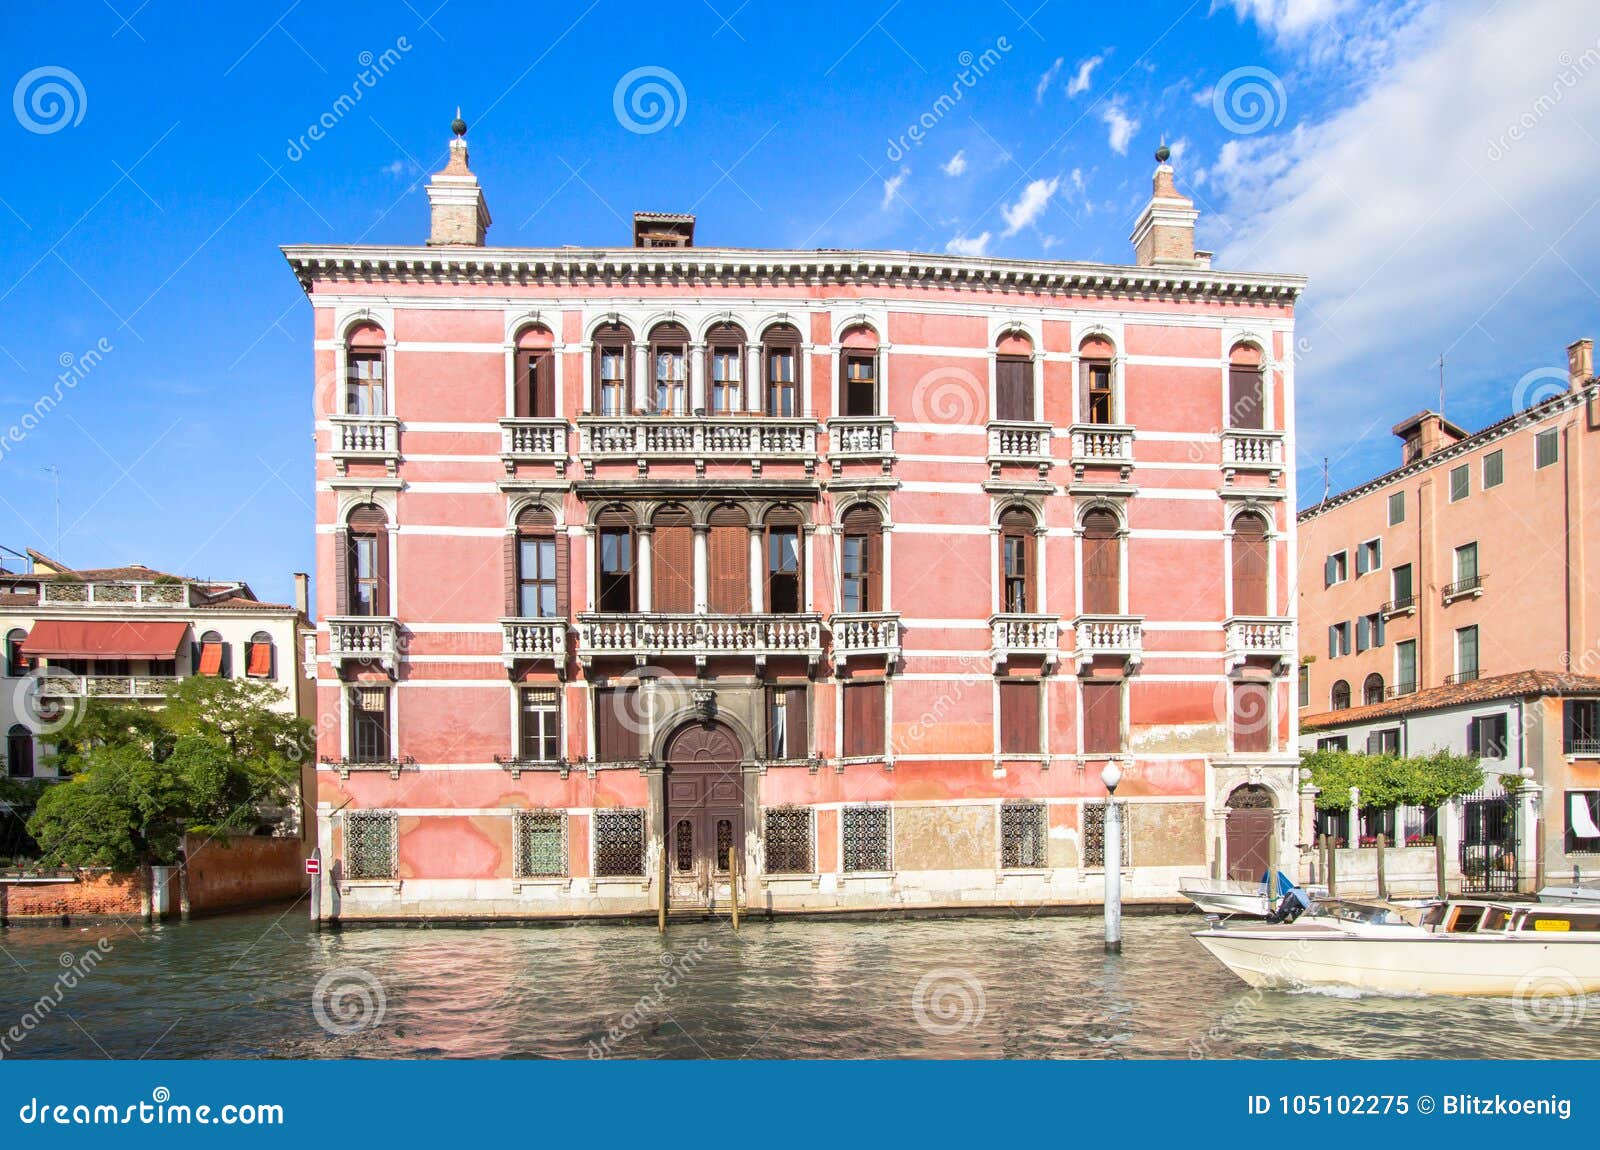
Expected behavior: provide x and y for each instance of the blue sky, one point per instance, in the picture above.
(1430, 168)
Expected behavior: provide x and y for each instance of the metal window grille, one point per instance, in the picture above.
(1094, 835)
(866, 839)
(683, 846)
(619, 843)
(724, 843)
(1024, 834)
(371, 844)
(788, 840)
(541, 844)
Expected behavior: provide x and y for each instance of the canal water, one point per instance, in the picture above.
(262, 985)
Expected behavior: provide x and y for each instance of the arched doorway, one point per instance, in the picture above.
(1250, 828)
(705, 812)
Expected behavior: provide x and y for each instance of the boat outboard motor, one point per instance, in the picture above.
(1295, 903)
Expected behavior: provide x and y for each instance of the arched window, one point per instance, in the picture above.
(213, 656)
(785, 575)
(728, 561)
(613, 369)
(365, 392)
(780, 352)
(533, 385)
(259, 657)
(1013, 378)
(536, 568)
(1096, 401)
(858, 370)
(17, 664)
(1339, 697)
(1102, 563)
(19, 752)
(669, 369)
(614, 543)
(861, 559)
(1372, 689)
(672, 561)
(363, 573)
(725, 369)
(1016, 561)
(1247, 405)
(1249, 564)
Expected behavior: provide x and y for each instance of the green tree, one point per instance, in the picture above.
(1389, 780)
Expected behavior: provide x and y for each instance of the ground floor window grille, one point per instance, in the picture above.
(619, 843)
(788, 840)
(1094, 835)
(371, 840)
(541, 845)
(866, 839)
(1023, 836)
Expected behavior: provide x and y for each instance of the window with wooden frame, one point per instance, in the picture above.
(369, 724)
(1486, 736)
(780, 353)
(538, 589)
(533, 384)
(1546, 448)
(1102, 716)
(1466, 563)
(725, 361)
(1466, 654)
(1339, 696)
(1494, 469)
(1460, 483)
(669, 369)
(1020, 706)
(539, 724)
(1252, 716)
(365, 391)
(1397, 508)
(1017, 525)
(1250, 562)
(1372, 689)
(363, 562)
(1247, 392)
(1305, 685)
(858, 370)
(1102, 563)
(259, 657)
(672, 561)
(1013, 378)
(17, 664)
(785, 579)
(618, 725)
(1580, 726)
(614, 544)
(787, 724)
(613, 369)
(211, 661)
(1096, 401)
(728, 561)
(19, 752)
(863, 719)
(861, 560)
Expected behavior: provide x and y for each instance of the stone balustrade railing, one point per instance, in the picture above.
(865, 633)
(1118, 636)
(647, 636)
(119, 593)
(534, 639)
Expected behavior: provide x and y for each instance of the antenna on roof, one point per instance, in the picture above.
(1327, 483)
(1441, 384)
(54, 471)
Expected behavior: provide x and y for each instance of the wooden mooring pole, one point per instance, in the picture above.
(1333, 867)
(1383, 888)
(661, 900)
(1438, 864)
(733, 885)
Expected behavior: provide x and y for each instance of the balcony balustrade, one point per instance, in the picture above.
(365, 639)
(526, 639)
(365, 439)
(1033, 636)
(113, 593)
(1258, 636)
(57, 685)
(644, 637)
(1022, 443)
(1404, 605)
(697, 439)
(1101, 445)
(863, 633)
(1258, 451)
(860, 438)
(1114, 636)
(533, 441)
(1470, 588)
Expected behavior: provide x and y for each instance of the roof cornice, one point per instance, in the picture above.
(331, 264)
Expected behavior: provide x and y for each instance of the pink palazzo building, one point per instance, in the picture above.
(826, 580)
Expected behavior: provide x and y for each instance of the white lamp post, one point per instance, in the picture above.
(1111, 776)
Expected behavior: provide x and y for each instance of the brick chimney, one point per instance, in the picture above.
(1580, 363)
(1164, 234)
(1424, 434)
(460, 217)
(302, 596)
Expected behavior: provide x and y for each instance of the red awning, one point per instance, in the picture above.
(104, 639)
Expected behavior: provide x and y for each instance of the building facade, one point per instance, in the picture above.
(844, 572)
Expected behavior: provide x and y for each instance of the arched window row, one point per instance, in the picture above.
(665, 372)
(361, 561)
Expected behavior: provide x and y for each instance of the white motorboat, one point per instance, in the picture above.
(1454, 947)
(1227, 896)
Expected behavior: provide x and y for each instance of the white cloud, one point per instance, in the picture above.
(1078, 183)
(891, 187)
(955, 165)
(977, 245)
(395, 169)
(1035, 198)
(1085, 74)
(1047, 79)
(1121, 125)
(1179, 148)
(1365, 35)
(1290, 20)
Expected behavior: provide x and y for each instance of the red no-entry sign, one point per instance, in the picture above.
(313, 866)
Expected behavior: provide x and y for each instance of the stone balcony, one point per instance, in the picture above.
(1258, 636)
(646, 637)
(1102, 445)
(1108, 636)
(365, 639)
(641, 439)
(869, 634)
(534, 639)
(365, 439)
(57, 685)
(113, 593)
(1027, 444)
(861, 439)
(1251, 451)
(1031, 636)
(534, 441)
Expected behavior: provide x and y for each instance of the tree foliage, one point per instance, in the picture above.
(1389, 780)
(139, 779)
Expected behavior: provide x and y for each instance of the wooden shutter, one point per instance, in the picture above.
(563, 572)
(863, 519)
(1102, 564)
(1246, 400)
(544, 385)
(1102, 717)
(728, 562)
(672, 563)
(522, 384)
(513, 572)
(381, 605)
(863, 719)
(796, 722)
(1019, 717)
(1249, 565)
(1252, 716)
(785, 338)
(616, 715)
(341, 572)
(370, 520)
(1013, 388)
(532, 522)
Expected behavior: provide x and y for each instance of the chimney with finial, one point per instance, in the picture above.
(460, 217)
(1164, 234)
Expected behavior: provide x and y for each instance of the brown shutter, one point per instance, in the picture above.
(1102, 564)
(728, 562)
(795, 718)
(1019, 717)
(616, 717)
(522, 385)
(1252, 716)
(544, 385)
(672, 563)
(382, 606)
(513, 574)
(1246, 401)
(1249, 565)
(863, 719)
(1102, 717)
(563, 572)
(1013, 388)
(341, 572)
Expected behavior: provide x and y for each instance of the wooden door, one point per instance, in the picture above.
(1248, 849)
(705, 814)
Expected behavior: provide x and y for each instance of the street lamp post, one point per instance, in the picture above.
(1111, 776)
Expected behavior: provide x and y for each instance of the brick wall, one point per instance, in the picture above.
(92, 894)
(245, 870)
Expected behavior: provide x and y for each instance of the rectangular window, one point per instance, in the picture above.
(866, 839)
(1019, 717)
(1384, 742)
(782, 396)
(1335, 569)
(1016, 560)
(613, 381)
(369, 725)
(1305, 685)
(1486, 736)
(1097, 391)
(861, 385)
(1024, 836)
(618, 724)
(1094, 836)
(619, 838)
(863, 720)
(1583, 822)
(541, 844)
(856, 574)
(787, 840)
(1460, 483)
(210, 661)
(536, 577)
(727, 381)
(365, 589)
(1334, 743)
(257, 660)
(1252, 716)
(364, 391)
(1102, 717)
(1369, 632)
(1402, 585)
(1397, 508)
(671, 382)
(1405, 667)
(539, 732)
(616, 569)
(1546, 448)
(1466, 654)
(1369, 556)
(1377, 821)
(786, 723)
(1467, 563)
(783, 570)
(370, 846)
(1013, 388)
(1494, 469)
(1338, 640)
(1580, 721)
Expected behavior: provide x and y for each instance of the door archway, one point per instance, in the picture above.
(1250, 828)
(705, 811)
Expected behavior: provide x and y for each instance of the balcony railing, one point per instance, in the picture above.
(1116, 636)
(645, 637)
(1258, 636)
(365, 638)
(516, 764)
(1461, 677)
(696, 438)
(1404, 605)
(1251, 451)
(1015, 634)
(1463, 589)
(118, 593)
(1399, 690)
(1024, 443)
(534, 639)
(1579, 745)
(62, 686)
(533, 441)
(861, 438)
(365, 439)
(1101, 445)
(390, 767)
(874, 633)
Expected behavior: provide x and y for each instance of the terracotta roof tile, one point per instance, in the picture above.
(1519, 684)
